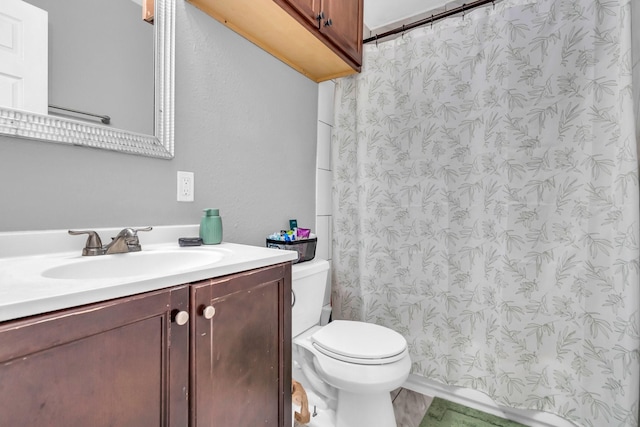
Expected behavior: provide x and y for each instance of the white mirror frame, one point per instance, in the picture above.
(24, 124)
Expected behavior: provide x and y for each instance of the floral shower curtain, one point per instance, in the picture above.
(486, 204)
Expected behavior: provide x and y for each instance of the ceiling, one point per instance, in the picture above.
(384, 15)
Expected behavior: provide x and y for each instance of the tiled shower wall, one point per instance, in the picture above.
(323, 173)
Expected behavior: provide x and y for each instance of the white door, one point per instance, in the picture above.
(23, 56)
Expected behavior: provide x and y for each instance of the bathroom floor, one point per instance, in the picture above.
(409, 408)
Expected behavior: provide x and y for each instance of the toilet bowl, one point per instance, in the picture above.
(356, 364)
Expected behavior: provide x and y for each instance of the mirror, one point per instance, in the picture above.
(67, 130)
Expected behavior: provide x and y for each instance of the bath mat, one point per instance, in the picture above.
(443, 413)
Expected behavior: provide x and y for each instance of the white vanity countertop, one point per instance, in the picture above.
(25, 256)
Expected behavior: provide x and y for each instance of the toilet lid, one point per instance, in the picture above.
(360, 342)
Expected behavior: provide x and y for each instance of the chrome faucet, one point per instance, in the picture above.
(126, 241)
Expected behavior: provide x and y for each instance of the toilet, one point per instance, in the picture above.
(352, 365)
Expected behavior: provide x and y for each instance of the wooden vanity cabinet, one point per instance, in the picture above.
(116, 363)
(141, 361)
(322, 39)
(241, 349)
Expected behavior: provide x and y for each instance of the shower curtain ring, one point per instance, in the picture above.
(432, 21)
(376, 40)
(463, 11)
(402, 30)
(493, 2)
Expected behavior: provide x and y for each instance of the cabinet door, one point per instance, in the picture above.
(345, 26)
(308, 10)
(116, 363)
(241, 349)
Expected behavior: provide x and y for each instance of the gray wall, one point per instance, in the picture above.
(245, 125)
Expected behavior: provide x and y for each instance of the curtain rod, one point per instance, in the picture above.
(430, 20)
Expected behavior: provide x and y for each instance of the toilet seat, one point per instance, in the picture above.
(360, 343)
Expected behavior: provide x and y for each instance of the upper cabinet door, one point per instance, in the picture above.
(307, 9)
(342, 24)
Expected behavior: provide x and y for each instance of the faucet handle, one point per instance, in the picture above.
(135, 230)
(134, 240)
(130, 237)
(132, 232)
(93, 245)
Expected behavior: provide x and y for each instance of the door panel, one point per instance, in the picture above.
(344, 30)
(23, 56)
(307, 10)
(107, 364)
(239, 355)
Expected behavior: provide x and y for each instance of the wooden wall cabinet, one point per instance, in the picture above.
(338, 21)
(126, 362)
(322, 39)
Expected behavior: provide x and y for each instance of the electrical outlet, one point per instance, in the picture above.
(185, 186)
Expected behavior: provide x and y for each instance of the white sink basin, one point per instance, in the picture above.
(150, 263)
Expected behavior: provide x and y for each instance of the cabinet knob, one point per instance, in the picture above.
(328, 23)
(181, 318)
(208, 312)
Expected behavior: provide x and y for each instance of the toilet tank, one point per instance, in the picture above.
(309, 280)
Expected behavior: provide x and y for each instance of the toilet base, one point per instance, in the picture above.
(365, 410)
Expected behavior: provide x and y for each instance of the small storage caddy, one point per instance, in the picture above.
(306, 248)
